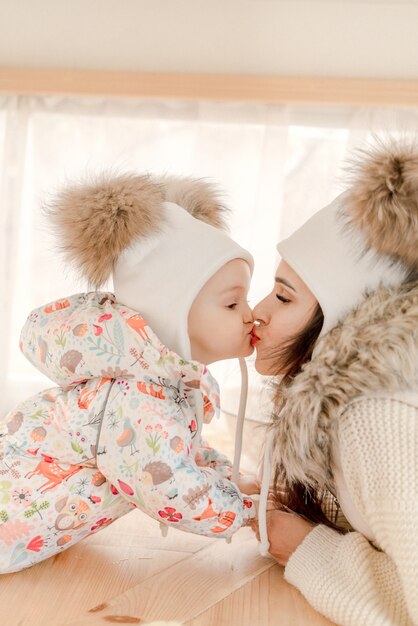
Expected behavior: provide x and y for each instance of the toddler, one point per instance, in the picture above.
(123, 427)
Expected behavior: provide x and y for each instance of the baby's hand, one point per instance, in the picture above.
(248, 484)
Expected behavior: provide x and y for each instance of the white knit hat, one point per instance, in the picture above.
(161, 276)
(333, 259)
(159, 238)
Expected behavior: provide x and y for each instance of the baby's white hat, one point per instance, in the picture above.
(161, 277)
(366, 238)
(160, 239)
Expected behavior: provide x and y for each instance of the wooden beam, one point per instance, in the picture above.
(221, 87)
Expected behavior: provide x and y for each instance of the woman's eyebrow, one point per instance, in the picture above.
(278, 279)
(236, 288)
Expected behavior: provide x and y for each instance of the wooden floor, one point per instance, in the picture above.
(129, 574)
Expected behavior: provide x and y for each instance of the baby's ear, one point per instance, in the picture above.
(61, 503)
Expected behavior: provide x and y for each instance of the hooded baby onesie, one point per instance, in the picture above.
(122, 429)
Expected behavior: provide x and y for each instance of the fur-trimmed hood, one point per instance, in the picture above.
(373, 348)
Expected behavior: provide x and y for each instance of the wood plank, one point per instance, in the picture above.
(267, 600)
(185, 589)
(220, 87)
(104, 565)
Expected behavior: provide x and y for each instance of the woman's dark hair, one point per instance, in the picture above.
(290, 359)
(298, 349)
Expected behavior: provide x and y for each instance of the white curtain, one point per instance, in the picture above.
(277, 165)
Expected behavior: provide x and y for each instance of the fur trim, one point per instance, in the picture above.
(383, 198)
(199, 197)
(97, 220)
(342, 369)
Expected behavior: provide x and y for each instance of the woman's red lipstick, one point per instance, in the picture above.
(254, 338)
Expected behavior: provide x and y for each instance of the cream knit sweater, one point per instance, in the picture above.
(345, 577)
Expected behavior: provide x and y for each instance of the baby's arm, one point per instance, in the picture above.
(206, 456)
(157, 472)
(85, 336)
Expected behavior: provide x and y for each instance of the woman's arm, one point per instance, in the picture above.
(344, 576)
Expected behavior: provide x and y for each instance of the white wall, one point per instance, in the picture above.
(375, 38)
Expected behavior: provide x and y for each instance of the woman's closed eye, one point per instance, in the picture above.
(282, 298)
(232, 306)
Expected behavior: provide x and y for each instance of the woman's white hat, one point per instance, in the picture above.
(335, 262)
(366, 238)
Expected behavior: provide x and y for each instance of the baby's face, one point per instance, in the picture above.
(220, 320)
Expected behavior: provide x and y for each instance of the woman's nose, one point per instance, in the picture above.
(260, 313)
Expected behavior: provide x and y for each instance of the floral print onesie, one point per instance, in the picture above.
(120, 431)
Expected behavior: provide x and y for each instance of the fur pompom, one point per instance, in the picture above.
(383, 198)
(199, 197)
(95, 222)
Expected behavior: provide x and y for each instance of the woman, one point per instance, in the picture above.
(340, 328)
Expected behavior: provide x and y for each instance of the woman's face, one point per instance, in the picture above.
(281, 315)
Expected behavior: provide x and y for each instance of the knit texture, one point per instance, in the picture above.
(345, 577)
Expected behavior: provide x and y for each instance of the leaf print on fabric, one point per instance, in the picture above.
(138, 356)
(36, 508)
(118, 336)
(4, 491)
(152, 442)
(194, 496)
(19, 554)
(10, 468)
(129, 469)
(116, 372)
(12, 530)
(76, 447)
(104, 350)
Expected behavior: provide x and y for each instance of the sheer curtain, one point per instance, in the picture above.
(277, 165)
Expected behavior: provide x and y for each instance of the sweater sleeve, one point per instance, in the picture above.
(345, 577)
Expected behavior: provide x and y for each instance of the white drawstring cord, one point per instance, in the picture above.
(240, 424)
(262, 508)
(240, 420)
